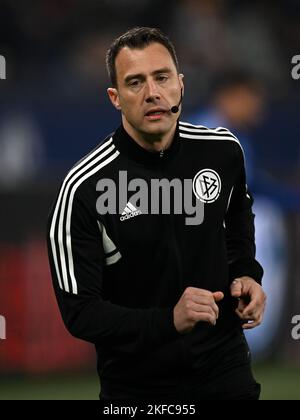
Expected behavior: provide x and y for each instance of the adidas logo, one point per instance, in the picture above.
(129, 212)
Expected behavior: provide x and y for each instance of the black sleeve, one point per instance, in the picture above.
(76, 256)
(240, 232)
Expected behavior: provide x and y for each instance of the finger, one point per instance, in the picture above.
(252, 307)
(251, 325)
(195, 291)
(257, 304)
(240, 314)
(204, 317)
(203, 300)
(236, 288)
(195, 307)
(242, 305)
(218, 296)
(206, 301)
(252, 321)
(245, 317)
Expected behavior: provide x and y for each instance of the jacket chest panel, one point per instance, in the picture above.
(154, 205)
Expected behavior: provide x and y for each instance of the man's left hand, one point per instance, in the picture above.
(252, 301)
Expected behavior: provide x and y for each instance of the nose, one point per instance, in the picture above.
(152, 93)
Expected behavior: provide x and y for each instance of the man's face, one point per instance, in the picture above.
(148, 86)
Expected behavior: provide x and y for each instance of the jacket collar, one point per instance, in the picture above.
(129, 147)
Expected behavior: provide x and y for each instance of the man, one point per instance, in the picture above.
(237, 101)
(163, 284)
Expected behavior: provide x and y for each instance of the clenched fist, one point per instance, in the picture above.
(196, 305)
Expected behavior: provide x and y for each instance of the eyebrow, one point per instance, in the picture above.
(140, 75)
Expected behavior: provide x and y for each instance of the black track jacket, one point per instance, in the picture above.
(117, 276)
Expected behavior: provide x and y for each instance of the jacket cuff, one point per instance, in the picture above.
(165, 325)
(246, 267)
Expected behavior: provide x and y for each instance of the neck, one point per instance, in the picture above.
(151, 142)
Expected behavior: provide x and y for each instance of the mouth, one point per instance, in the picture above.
(154, 114)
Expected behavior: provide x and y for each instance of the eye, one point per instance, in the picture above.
(134, 83)
(162, 78)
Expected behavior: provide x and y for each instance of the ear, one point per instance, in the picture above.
(114, 97)
(181, 76)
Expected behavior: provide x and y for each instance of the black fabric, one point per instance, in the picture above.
(117, 281)
(226, 376)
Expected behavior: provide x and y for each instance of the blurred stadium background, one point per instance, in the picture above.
(54, 109)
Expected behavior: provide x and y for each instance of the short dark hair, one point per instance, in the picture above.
(136, 38)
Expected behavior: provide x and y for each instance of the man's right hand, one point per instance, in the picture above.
(196, 305)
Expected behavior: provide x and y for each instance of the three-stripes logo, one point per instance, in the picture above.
(129, 212)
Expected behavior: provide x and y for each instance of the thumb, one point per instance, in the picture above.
(236, 288)
(218, 296)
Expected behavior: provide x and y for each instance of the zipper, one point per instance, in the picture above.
(169, 229)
